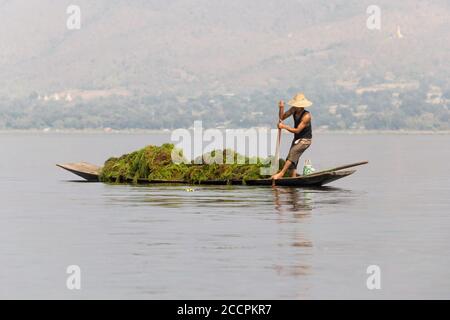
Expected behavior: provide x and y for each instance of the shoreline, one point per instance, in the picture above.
(167, 131)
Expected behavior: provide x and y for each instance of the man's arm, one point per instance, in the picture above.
(305, 121)
(288, 113)
(284, 115)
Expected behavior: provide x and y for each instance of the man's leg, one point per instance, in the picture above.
(295, 154)
(281, 174)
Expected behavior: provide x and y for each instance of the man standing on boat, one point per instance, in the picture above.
(302, 131)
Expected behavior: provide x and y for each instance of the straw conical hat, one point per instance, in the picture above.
(300, 101)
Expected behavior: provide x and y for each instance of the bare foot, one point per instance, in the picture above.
(277, 176)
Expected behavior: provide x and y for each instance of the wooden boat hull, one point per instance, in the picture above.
(301, 181)
(91, 173)
(87, 171)
(305, 181)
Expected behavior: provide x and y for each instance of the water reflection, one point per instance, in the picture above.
(268, 228)
(284, 199)
(295, 206)
(297, 201)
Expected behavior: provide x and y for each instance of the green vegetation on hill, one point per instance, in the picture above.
(336, 108)
(224, 62)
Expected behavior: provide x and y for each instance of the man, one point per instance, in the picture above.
(302, 131)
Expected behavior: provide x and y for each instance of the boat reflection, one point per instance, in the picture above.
(295, 200)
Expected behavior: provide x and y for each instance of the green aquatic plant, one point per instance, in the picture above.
(155, 163)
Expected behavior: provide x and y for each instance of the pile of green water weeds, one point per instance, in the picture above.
(154, 163)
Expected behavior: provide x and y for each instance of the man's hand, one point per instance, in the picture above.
(281, 125)
(281, 104)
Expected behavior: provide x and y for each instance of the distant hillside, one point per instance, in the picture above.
(226, 62)
(193, 47)
(378, 107)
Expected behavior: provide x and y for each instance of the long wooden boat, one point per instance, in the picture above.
(91, 173)
(87, 171)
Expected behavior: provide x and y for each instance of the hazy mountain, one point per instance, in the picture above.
(190, 47)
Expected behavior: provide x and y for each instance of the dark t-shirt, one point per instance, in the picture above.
(306, 133)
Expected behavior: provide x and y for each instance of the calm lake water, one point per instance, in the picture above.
(158, 242)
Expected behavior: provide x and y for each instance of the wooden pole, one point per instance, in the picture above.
(277, 149)
(277, 155)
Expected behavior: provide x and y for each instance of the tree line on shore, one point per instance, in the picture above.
(333, 109)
